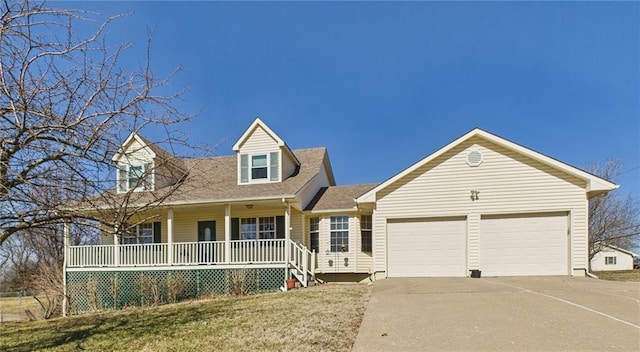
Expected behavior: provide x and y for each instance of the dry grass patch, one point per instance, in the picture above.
(622, 275)
(12, 308)
(323, 318)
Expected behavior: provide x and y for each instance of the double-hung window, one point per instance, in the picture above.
(365, 233)
(610, 260)
(339, 234)
(262, 228)
(140, 234)
(135, 177)
(257, 168)
(267, 228)
(248, 229)
(314, 234)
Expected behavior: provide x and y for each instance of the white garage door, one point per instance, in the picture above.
(427, 248)
(521, 245)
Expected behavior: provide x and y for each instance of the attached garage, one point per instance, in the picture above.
(427, 247)
(541, 229)
(531, 244)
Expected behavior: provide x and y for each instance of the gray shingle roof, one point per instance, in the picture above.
(216, 178)
(338, 197)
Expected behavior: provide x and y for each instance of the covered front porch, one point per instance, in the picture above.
(248, 233)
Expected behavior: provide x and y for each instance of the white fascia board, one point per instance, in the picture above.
(621, 250)
(594, 183)
(371, 195)
(331, 211)
(257, 122)
(289, 197)
(126, 143)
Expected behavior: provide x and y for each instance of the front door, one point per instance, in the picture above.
(206, 236)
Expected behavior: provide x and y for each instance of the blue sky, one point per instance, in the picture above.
(383, 84)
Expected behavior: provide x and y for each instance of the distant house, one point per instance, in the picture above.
(611, 258)
(481, 202)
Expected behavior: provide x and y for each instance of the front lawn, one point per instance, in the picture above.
(622, 275)
(322, 318)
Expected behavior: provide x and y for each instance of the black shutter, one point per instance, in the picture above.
(157, 232)
(279, 226)
(235, 229)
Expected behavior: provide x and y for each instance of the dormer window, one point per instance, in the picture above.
(257, 168)
(137, 177)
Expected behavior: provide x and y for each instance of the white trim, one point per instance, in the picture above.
(169, 236)
(594, 183)
(116, 157)
(259, 123)
(180, 267)
(616, 249)
(145, 173)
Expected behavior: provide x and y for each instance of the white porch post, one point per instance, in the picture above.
(170, 236)
(287, 241)
(227, 233)
(65, 233)
(116, 246)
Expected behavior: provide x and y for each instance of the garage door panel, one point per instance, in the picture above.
(429, 248)
(524, 245)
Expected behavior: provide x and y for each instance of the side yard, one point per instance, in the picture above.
(623, 275)
(322, 318)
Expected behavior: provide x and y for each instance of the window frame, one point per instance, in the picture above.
(609, 260)
(314, 234)
(141, 231)
(263, 229)
(144, 182)
(339, 234)
(366, 233)
(266, 167)
(246, 168)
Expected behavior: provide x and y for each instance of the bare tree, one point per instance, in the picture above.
(613, 219)
(66, 105)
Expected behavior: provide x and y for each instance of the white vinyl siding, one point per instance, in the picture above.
(508, 183)
(288, 166)
(312, 187)
(259, 142)
(257, 147)
(534, 244)
(623, 261)
(427, 247)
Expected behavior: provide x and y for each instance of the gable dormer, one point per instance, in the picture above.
(263, 157)
(144, 166)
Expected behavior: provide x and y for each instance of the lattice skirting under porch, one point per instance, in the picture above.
(103, 290)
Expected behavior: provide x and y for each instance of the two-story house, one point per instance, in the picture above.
(480, 203)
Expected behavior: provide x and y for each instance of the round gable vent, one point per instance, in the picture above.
(474, 158)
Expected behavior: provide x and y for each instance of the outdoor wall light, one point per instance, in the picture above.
(475, 195)
(249, 206)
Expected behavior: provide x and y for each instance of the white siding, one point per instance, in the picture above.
(508, 183)
(357, 261)
(259, 142)
(312, 187)
(624, 261)
(136, 153)
(288, 166)
(185, 223)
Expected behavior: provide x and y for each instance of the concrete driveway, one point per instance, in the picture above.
(501, 314)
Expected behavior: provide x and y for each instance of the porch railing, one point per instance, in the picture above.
(101, 255)
(184, 253)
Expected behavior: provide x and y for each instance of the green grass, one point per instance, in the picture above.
(323, 318)
(623, 275)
